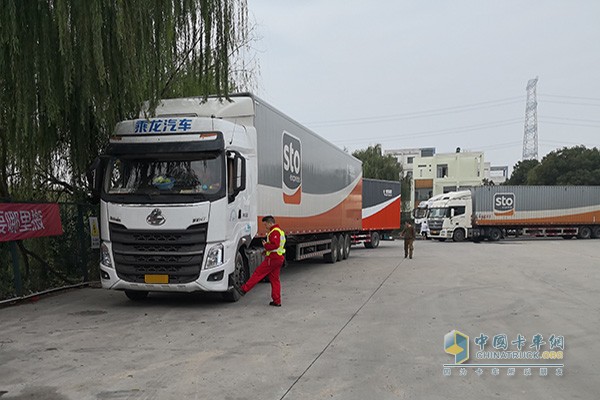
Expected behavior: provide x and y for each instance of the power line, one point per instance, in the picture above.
(570, 97)
(437, 132)
(419, 114)
(499, 146)
(572, 119)
(569, 124)
(571, 103)
(447, 110)
(562, 142)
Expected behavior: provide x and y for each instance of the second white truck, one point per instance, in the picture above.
(494, 212)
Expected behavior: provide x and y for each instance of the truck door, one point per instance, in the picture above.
(237, 197)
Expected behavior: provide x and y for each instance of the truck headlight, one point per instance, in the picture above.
(214, 257)
(105, 255)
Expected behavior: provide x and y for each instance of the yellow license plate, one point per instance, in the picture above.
(156, 278)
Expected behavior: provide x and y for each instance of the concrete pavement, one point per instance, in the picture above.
(371, 327)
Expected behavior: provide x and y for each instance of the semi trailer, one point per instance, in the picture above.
(381, 212)
(494, 212)
(182, 193)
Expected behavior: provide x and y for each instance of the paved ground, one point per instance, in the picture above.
(371, 327)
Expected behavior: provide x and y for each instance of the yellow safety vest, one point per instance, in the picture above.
(281, 249)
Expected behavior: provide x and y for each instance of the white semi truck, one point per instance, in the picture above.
(181, 195)
(493, 212)
(421, 212)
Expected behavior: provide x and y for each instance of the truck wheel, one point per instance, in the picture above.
(458, 235)
(236, 279)
(584, 232)
(596, 232)
(332, 256)
(495, 234)
(374, 241)
(340, 240)
(347, 245)
(136, 295)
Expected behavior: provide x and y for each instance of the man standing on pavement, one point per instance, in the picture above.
(274, 259)
(408, 233)
(424, 229)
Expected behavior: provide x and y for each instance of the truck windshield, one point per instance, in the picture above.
(420, 212)
(439, 212)
(199, 175)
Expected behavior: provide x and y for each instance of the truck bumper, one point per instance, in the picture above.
(446, 234)
(211, 280)
(440, 234)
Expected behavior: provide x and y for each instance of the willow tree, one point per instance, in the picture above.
(69, 69)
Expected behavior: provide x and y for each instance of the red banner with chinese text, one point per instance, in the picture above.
(20, 221)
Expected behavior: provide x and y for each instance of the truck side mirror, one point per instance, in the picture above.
(94, 176)
(452, 212)
(236, 165)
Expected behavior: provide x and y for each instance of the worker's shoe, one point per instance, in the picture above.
(275, 304)
(241, 291)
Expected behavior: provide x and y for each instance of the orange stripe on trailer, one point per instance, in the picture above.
(294, 198)
(386, 218)
(588, 218)
(346, 216)
(505, 213)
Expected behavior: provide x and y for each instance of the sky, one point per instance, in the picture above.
(443, 74)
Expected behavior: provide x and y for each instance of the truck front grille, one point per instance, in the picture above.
(178, 254)
(435, 224)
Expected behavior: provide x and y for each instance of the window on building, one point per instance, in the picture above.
(409, 160)
(442, 171)
(448, 189)
(428, 152)
(422, 194)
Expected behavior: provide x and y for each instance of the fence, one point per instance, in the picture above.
(40, 264)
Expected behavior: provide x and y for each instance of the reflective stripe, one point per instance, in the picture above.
(280, 250)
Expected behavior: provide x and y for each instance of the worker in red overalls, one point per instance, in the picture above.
(271, 266)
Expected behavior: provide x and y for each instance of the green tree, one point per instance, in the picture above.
(568, 166)
(520, 172)
(70, 69)
(378, 166)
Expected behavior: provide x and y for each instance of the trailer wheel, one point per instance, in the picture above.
(596, 232)
(458, 235)
(584, 232)
(340, 240)
(136, 295)
(236, 279)
(495, 234)
(347, 245)
(374, 243)
(332, 256)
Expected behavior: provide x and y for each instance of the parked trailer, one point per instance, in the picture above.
(182, 193)
(381, 205)
(566, 211)
(493, 212)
